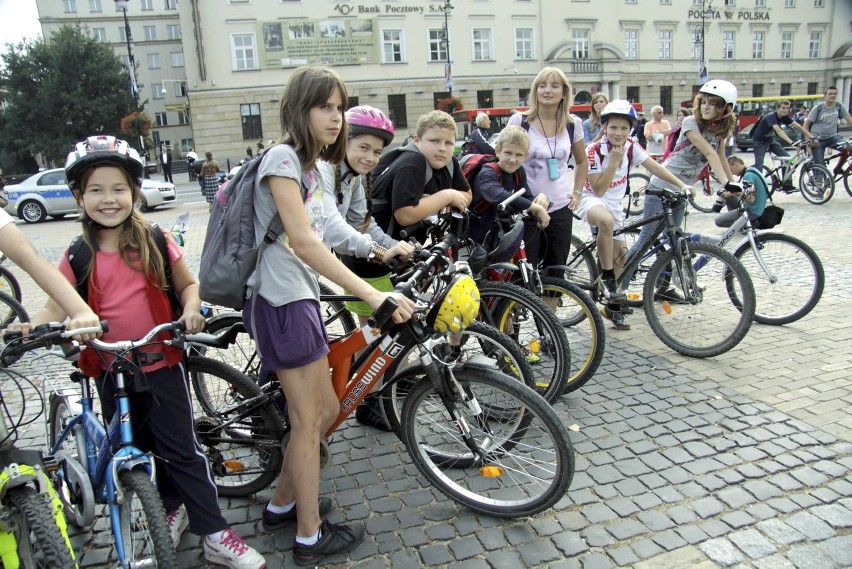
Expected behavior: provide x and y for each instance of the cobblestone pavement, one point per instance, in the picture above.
(742, 460)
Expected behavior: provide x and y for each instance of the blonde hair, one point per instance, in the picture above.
(436, 119)
(594, 116)
(563, 114)
(513, 134)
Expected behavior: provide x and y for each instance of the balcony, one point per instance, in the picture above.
(581, 66)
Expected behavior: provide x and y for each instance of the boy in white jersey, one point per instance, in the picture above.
(610, 160)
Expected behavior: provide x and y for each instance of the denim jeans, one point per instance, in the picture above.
(653, 204)
(760, 148)
(819, 149)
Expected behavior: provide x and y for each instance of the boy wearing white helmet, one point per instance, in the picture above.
(599, 204)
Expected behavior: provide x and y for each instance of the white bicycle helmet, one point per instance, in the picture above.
(619, 108)
(725, 90)
(98, 151)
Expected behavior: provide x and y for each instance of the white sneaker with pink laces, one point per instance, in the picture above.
(178, 522)
(232, 551)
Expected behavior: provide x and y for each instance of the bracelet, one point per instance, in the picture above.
(377, 254)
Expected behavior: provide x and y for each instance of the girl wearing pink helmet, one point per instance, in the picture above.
(348, 225)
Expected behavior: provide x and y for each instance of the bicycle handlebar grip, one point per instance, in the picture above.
(12, 336)
(381, 316)
(406, 232)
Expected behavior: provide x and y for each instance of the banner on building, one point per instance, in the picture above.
(703, 75)
(318, 42)
(448, 76)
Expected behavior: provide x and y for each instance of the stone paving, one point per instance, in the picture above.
(744, 460)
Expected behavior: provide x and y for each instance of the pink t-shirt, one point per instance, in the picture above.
(124, 296)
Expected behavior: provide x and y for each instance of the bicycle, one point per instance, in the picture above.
(11, 310)
(843, 167)
(33, 532)
(97, 464)
(699, 308)
(8, 282)
(482, 438)
(789, 274)
(816, 183)
(637, 182)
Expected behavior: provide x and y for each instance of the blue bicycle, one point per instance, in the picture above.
(103, 465)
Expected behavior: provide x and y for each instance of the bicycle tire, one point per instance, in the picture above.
(41, 543)
(338, 320)
(144, 528)
(583, 325)
(241, 355)
(530, 322)
(705, 194)
(11, 310)
(847, 176)
(709, 322)
(478, 338)
(816, 183)
(240, 429)
(9, 284)
(71, 480)
(529, 453)
(633, 202)
(799, 272)
(582, 265)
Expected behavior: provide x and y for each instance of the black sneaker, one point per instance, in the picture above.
(274, 522)
(616, 317)
(334, 538)
(609, 290)
(673, 296)
(369, 413)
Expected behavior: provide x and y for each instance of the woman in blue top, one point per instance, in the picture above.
(592, 128)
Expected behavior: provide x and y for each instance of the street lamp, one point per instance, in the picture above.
(164, 81)
(703, 73)
(448, 67)
(131, 71)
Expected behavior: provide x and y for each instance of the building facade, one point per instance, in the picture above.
(404, 55)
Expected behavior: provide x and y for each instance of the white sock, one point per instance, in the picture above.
(281, 509)
(216, 537)
(312, 540)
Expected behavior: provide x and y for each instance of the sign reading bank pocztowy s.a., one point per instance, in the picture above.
(327, 41)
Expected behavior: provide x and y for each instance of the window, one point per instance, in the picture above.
(352, 102)
(789, 3)
(813, 46)
(757, 44)
(785, 90)
(171, 4)
(523, 97)
(437, 97)
(730, 3)
(629, 1)
(178, 88)
(697, 2)
(161, 119)
(95, 6)
(186, 144)
(157, 91)
(581, 43)
(631, 44)
(147, 5)
(437, 45)
(813, 88)
(155, 134)
(633, 94)
(666, 98)
(727, 45)
(392, 46)
(757, 90)
(125, 60)
(665, 37)
(122, 34)
(99, 34)
(786, 45)
(819, 3)
(396, 111)
(70, 6)
(760, 3)
(524, 43)
(696, 44)
(177, 58)
(173, 31)
(665, 2)
(183, 118)
(243, 53)
(482, 50)
(250, 116)
(153, 61)
(150, 33)
(485, 99)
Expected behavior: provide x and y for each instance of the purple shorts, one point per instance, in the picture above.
(289, 336)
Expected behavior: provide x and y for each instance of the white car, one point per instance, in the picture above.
(47, 194)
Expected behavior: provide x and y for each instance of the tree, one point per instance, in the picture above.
(137, 127)
(450, 105)
(60, 90)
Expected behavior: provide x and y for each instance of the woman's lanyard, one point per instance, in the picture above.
(552, 165)
(547, 140)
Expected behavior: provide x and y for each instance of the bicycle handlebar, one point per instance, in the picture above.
(501, 207)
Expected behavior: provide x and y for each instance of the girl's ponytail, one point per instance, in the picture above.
(338, 183)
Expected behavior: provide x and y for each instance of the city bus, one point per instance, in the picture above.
(750, 109)
(500, 116)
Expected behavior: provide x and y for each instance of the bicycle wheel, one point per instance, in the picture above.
(847, 176)
(142, 518)
(9, 284)
(338, 320)
(241, 355)
(633, 202)
(698, 316)
(524, 461)
(583, 325)
(11, 310)
(238, 426)
(816, 183)
(798, 273)
(582, 265)
(705, 195)
(71, 480)
(41, 542)
(530, 322)
(478, 338)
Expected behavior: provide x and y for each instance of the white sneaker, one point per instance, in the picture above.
(232, 551)
(178, 522)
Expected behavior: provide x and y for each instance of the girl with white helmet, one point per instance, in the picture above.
(610, 160)
(701, 140)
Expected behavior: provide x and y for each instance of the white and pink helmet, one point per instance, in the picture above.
(364, 119)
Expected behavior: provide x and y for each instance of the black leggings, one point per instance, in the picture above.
(550, 246)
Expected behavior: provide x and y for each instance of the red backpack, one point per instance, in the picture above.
(471, 164)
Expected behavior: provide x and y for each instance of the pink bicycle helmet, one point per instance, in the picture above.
(101, 150)
(364, 119)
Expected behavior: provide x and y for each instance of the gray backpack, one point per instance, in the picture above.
(230, 255)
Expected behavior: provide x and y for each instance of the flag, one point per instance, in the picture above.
(134, 89)
(703, 75)
(448, 76)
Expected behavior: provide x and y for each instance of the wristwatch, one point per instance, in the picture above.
(377, 254)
